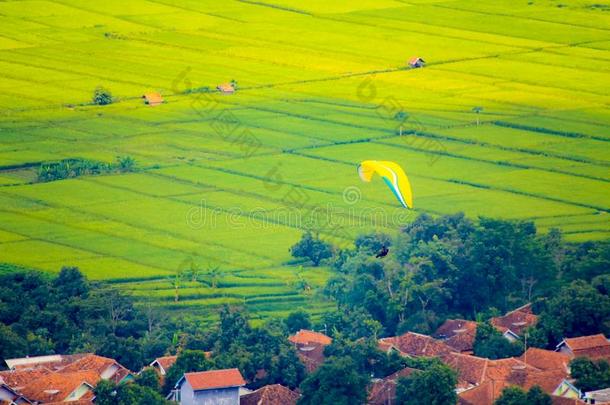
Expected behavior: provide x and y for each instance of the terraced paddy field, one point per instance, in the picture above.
(225, 184)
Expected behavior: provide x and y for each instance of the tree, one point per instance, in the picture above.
(105, 392)
(11, 344)
(517, 396)
(312, 248)
(102, 96)
(335, 382)
(490, 343)
(401, 117)
(512, 396)
(108, 393)
(71, 283)
(373, 242)
(187, 361)
(602, 284)
(433, 386)
(590, 375)
(298, 320)
(477, 110)
(236, 344)
(354, 323)
(587, 260)
(535, 396)
(126, 163)
(578, 309)
(149, 378)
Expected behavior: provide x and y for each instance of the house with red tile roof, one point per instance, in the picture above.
(57, 378)
(106, 368)
(546, 359)
(414, 344)
(470, 369)
(499, 374)
(305, 337)
(311, 355)
(383, 390)
(162, 364)
(209, 387)
(484, 394)
(513, 324)
(458, 334)
(19, 378)
(594, 347)
(62, 387)
(52, 362)
(275, 394)
(310, 347)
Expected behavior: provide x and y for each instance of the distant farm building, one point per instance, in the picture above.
(416, 62)
(152, 99)
(226, 88)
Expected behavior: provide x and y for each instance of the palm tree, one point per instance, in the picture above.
(477, 110)
(215, 274)
(401, 117)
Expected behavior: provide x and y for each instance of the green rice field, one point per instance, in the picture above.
(226, 183)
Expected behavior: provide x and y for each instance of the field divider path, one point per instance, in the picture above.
(521, 17)
(164, 231)
(430, 135)
(241, 192)
(477, 185)
(97, 254)
(122, 236)
(310, 188)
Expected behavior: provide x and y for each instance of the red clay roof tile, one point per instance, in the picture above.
(545, 359)
(415, 344)
(516, 320)
(205, 380)
(383, 391)
(55, 387)
(305, 337)
(166, 361)
(275, 394)
(458, 334)
(587, 342)
(311, 355)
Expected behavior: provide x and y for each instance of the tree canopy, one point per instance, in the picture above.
(590, 375)
(336, 382)
(490, 343)
(433, 386)
(313, 248)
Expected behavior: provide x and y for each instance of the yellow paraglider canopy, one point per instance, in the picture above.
(393, 175)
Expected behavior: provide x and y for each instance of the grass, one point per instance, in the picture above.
(232, 181)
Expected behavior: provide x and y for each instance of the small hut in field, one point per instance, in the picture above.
(152, 99)
(416, 62)
(226, 88)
